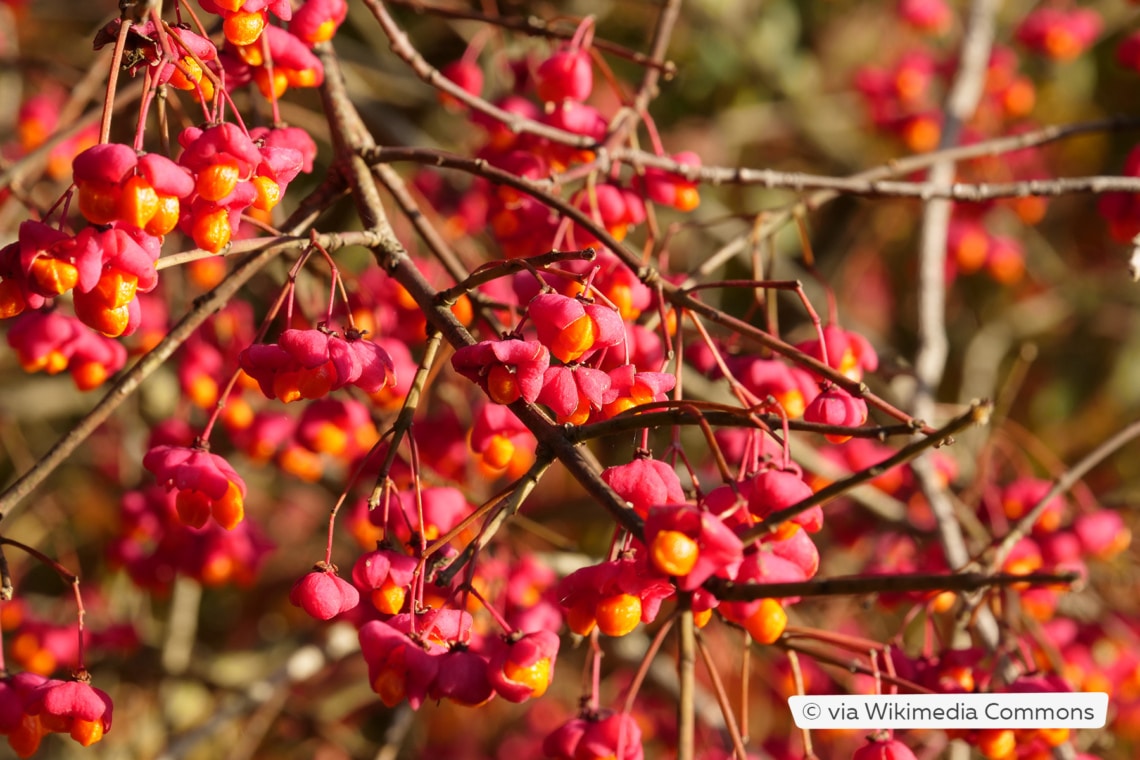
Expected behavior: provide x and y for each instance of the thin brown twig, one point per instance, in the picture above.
(883, 584)
(626, 121)
(688, 412)
(775, 219)
(686, 664)
(853, 666)
(722, 699)
(933, 343)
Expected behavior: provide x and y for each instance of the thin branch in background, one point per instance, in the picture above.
(404, 419)
(686, 664)
(933, 345)
(798, 681)
(740, 753)
(7, 590)
(772, 221)
(626, 121)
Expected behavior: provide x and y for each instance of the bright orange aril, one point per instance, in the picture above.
(499, 451)
(99, 202)
(702, 618)
(768, 621)
(687, 198)
(53, 276)
(501, 385)
(579, 416)
(674, 553)
(922, 134)
(792, 401)
(910, 84)
(622, 297)
(211, 231)
(11, 299)
(165, 216)
(575, 339)
(365, 436)
(32, 133)
(784, 530)
(301, 77)
(617, 406)
(1019, 98)
(996, 743)
(463, 310)
(944, 601)
(1006, 270)
(331, 439)
(404, 299)
(204, 90)
(230, 509)
(188, 76)
(389, 598)
(217, 570)
(89, 375)
(138, 202)
(237, 414)
(520, 463)
(1030, 210)
(202, 391)
(110, 322)
(970, 253)
(1054, 737)
(849, 366)
(389, 685)
(251, 54)
(618, 615)
(316, 382)
(323, 33)
(86, 732)
(581, 620)
(206, 273)
(271, 87)
(218, 180)
(535, 676)
(53, 362)
(961, 675)
(116, 288)
(268, 193)
(302, 463)
(1061, 44)
(286, 386)
(244, 28)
